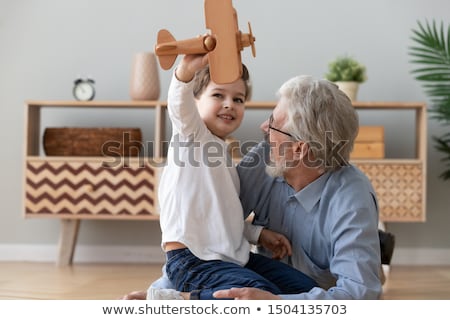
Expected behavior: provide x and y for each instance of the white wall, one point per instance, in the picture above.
(45, 44)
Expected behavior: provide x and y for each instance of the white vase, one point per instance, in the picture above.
(144, 81)
(350, 88)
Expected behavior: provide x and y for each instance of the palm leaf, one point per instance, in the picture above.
(443, 145)
(431, 53)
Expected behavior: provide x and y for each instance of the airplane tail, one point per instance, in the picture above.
(163, 45)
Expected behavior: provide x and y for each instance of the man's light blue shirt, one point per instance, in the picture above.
(332, 224)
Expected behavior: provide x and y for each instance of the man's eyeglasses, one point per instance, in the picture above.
(280, 131)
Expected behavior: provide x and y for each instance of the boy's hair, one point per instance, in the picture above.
(203, 77)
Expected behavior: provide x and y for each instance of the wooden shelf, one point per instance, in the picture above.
(95, 191)
(84, 188)
(95, 104)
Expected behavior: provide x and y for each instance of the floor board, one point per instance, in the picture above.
(111, 281)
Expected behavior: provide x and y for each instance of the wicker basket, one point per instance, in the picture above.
(92, 141)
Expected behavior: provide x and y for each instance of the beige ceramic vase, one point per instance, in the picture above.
(144, 82)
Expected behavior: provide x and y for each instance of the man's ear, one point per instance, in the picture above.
(300, 149)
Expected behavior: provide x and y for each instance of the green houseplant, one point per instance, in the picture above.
(347, 73)
(432, 55)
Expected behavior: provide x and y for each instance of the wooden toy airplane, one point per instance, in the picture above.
(223, 44)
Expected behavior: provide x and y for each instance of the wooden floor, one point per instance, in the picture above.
(110, 281)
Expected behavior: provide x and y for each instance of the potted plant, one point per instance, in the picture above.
(432, 55)
(347, 73)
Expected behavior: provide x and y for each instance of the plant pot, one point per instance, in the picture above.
(350, 88)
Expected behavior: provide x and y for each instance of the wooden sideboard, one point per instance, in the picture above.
(400, 183)
(77, 188)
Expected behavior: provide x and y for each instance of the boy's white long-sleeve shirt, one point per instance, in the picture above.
(199, 188)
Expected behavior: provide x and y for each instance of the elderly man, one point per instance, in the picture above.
(300, 183)
(310, 193)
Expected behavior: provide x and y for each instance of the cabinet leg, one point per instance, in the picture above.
(67, 241)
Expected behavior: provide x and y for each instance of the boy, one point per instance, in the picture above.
(201, 218)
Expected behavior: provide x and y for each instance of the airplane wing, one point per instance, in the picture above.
(225, 60)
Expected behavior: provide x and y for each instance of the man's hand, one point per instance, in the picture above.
(135, 295)
(245, 294)
(275, 242)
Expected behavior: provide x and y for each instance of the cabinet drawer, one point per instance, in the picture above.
(400, 189)
(90, 189)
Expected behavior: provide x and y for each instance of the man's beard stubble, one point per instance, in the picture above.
(275, 170)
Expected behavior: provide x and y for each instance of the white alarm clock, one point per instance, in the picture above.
(84, 89)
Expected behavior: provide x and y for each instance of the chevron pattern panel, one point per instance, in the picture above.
(399, 189)
(88, 189)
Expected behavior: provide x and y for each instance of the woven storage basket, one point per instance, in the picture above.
(92, 141)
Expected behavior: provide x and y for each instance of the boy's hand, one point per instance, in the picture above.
(275, 242)
(189, 65)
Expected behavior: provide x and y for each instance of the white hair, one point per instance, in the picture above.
(321, 115)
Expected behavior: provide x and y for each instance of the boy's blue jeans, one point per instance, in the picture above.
(201, 278)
